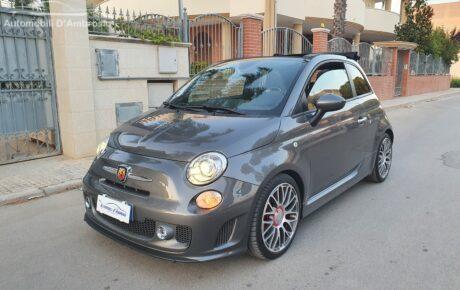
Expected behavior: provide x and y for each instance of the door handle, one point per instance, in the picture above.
(362, 120)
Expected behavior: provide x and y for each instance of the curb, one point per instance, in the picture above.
(34, 193)
(415, 102)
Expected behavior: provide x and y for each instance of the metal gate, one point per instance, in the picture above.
(214, 38)
(283, 40)
(28, 118)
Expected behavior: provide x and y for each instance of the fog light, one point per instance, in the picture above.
(208, 199)
(164, 231)
(87, 202)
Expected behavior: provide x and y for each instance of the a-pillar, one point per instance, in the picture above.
(320, 38)
(74, 89)
(252, 35)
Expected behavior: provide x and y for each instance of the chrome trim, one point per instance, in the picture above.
(333, 187)
(113, 170)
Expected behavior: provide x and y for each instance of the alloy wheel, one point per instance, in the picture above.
(280, 217)
(385, 157)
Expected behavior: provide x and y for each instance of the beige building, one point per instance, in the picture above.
(368, 20)
(447, 15)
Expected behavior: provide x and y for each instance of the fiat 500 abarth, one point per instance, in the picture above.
(238, 156)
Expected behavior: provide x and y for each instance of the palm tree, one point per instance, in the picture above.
(338, 24)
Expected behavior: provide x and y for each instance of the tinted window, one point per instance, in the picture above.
(361, 85)
(330, 78)
(257, 87)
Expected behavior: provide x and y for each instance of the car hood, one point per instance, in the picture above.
(181, 136)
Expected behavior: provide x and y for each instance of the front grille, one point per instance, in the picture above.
(225, 232)
(183, 234)
(116, 185)
(146, 229)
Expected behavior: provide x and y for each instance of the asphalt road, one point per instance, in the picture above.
(403, 234)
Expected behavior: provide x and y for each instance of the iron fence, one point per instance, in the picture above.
(147, 26)
(422, 64)
(214, 38)
(283, 40)
(339, 44)
(374, 60)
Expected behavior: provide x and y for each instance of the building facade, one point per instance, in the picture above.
(447, 15)
(366, 21)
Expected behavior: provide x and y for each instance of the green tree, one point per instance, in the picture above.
(444, 44)
(418, 26)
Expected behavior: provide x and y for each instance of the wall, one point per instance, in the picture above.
(138, 63)
(424, 84)
(73, 78)
(383, 86)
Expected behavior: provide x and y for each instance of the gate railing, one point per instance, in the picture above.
(284, 41)
(214, 38)
(28, 117)
(339, 44)
(153, 27)
(374, 60)
(422, 64)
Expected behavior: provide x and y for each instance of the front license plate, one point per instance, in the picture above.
(118, 210)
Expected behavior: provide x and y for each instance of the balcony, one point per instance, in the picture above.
(379, 24)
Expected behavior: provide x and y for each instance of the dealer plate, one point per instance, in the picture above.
(119, 210)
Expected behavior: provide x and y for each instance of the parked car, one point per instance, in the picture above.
(237, 156)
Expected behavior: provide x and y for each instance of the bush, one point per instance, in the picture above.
(455, 83)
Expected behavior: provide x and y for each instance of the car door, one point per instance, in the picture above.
(369, 111)
(329, 148)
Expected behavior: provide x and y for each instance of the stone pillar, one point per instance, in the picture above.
(73, 78)
(226, 41)
(297, 45)
(388, 5)
(356, 39)
(270, 14)
(252, 37)
(320, 38)
(402, 15)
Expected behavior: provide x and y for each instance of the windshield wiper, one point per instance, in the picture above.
(214, 109)
(176, 107)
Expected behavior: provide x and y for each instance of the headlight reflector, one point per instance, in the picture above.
(206, 168)
(101, 148)
(208, 199)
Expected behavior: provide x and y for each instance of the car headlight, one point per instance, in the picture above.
(101, 148)
(206, 168)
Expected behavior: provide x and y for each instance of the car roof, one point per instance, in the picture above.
(317, 57)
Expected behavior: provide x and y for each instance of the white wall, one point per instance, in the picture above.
(138, 63)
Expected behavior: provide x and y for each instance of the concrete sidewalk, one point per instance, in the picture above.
(38, 178)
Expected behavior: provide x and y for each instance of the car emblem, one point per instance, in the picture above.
(123, 172)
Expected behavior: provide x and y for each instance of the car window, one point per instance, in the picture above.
(362, 87)
(258, 86)
(330, 78)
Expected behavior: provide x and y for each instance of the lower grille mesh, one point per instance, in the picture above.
(147, 228)
(225, 232)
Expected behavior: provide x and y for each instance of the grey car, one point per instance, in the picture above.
(238, 156)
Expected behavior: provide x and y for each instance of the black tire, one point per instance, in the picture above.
(376, 176)
(256, 245)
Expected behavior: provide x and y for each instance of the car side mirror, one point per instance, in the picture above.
(326, 103)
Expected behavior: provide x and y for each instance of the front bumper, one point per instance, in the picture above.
(208, 235)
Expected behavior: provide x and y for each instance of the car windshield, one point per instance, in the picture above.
(250, 87)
